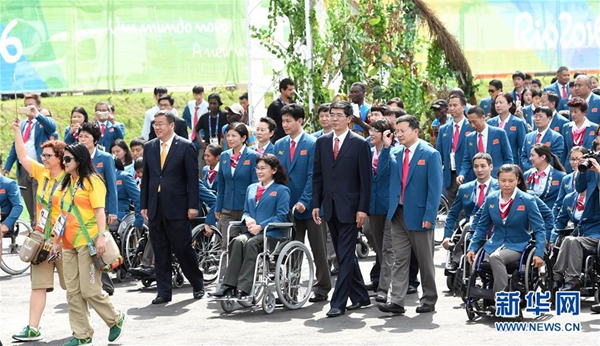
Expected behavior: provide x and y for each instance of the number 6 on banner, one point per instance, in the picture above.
(6, 42)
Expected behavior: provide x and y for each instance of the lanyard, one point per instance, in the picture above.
(62, 199)
(210, 132)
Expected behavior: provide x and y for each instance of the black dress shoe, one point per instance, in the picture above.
(357, 306)
(316, 297)
(423, 308)
(198, 294)
(223, 291)
(391, 307)
(411, 290)
(160, 300)
(381, 299)
(335, 312)
(372, 286)
(595, 308)
(142, 271)
(335, 271)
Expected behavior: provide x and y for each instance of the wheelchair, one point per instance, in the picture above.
(523, 277)
(362, 246)
(443, 210)
(285, 266)
(457, 272)
(126, 236)
(590, 275)
(11, 244)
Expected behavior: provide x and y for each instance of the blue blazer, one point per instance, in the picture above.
(270, 149)
(514, 234)
(551, 139)
(423, 185)
(588, 139)
(68, 136)
(44, 129)
(444, 146)
(593, 112)
(528, 116)
(318, 133)
(178, 179)
(232, 188)
(380, 184)
(589, 225)
(128, 194)
(105, 165)
(10, 201)
(591, 214)
(209, 200)
(567, 185)
(347, 178)
(552, 187)
(465, 200)
(497, 146)
(486, 105)
(557, 123)
(215, 185)
(111, 134)
(556, 88)
(300, 171)
(515, 130)
(272, 207)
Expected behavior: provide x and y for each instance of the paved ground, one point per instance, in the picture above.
(189, 322)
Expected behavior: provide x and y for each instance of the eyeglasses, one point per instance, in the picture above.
(491, 91)
(68, 159)
(262, 168)
(575, 159)
(46, 156)
(337, 115)
(159, 124)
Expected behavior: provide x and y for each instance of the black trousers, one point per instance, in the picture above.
(349, 282)
(176, 235)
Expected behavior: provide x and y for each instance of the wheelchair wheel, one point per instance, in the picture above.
(208, 251)
(477, 281)
(443, 210)
(129, 244)
(450, 282)
(362, 247)
(147, 282)
(121, 274)
(11, 262)
(178, 280)
(268, 303)
(597, 295)
(294, 274)
(228, 305)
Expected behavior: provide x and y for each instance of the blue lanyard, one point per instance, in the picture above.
(216, 125)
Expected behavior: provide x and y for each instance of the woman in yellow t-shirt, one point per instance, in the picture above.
(48, 176)
(82, 195)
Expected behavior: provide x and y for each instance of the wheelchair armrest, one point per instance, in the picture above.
(564, 231)
(280, 225)
(236, 223)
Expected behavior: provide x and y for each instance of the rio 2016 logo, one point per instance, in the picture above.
(15, 54)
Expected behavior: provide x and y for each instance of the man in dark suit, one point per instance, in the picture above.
(169, 200)
(561, 88)
(342, 185)
(165, 103)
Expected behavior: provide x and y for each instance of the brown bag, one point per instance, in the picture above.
(31, 247)
(111, 259)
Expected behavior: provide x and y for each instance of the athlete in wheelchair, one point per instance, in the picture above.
(267, 239)
(509, 255)
(11, 207)
(576, 251)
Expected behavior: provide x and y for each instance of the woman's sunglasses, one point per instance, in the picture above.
(68, 159)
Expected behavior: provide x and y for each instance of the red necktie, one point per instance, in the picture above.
(481, 195)
(260, 151)
(102, 128)
(234, 159)
(480, 147)
(293, 150)
(194, 123)
(27, 131)
(505, 208)
(212, 174)
(405, 168)
(455, 139)
(336, 148)
(538, 138)
(259, 192)
(564, 92)
(375, 162)
(580, 203)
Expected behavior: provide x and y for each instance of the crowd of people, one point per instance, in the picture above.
(511, 165)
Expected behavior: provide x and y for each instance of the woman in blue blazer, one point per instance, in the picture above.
(515, 128)
(512, 212)
(236, 173)
(266, 201)
(212, 155)
(545, 177)
(78, 117)
(579, 132)
(128, 194)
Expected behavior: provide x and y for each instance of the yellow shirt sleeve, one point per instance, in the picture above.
(37, 169)
(97, 192)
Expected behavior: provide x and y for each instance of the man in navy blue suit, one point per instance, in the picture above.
(415, 192)
(583, 88)
(36, 129)
(169, 201)
(561, 88)
(342, 185)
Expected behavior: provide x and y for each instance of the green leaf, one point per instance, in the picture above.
(374, 21)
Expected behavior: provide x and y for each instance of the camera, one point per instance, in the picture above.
(586, 164)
